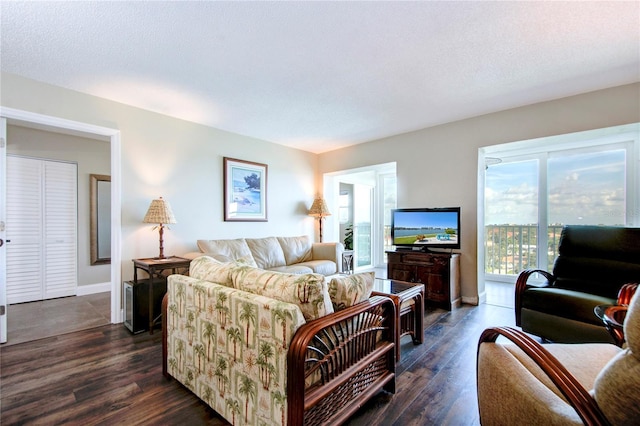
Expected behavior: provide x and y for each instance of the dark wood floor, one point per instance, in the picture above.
(106, 376)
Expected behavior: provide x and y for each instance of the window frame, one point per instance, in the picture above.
(626, 137)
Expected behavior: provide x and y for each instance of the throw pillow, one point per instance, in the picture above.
(348, 290)
(307, 291)
(209, 269)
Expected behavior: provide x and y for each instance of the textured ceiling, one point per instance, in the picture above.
(323, 75)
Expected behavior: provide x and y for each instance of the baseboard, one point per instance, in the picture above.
(482, 297)
(84, 290)
(470, 300)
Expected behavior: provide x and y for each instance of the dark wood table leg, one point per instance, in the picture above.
(151, 273)
(418, 334)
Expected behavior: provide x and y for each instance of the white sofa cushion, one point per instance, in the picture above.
(266, 252)
(324, 267)
(296, 249)
(227, 250)
(308, 291)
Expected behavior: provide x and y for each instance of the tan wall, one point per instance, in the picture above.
(438, 166)
(182, 162)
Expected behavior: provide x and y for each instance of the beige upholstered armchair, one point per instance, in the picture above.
(525, 382)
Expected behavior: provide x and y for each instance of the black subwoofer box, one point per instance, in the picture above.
(136, 303)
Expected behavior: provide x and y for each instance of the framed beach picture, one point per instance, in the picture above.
(245, 191)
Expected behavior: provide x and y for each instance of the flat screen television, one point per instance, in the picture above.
(425, 228)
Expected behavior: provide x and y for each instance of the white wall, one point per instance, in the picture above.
(182, 162)
(438, 166)
(92, 156)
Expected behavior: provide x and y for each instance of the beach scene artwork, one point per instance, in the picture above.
(246, 198)
(246, 190)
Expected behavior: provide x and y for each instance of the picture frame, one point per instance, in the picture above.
(245, 191)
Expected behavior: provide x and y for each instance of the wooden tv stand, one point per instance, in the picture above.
(439, 272)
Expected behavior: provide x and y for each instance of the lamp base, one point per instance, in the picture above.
(161, 232)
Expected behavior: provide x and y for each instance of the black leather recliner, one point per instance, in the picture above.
(593, 264)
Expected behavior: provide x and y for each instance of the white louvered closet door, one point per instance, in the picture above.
(42, 227)
(60, 223)
(24, 229)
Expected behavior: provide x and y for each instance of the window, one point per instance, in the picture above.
(532, 188)
(344, 207)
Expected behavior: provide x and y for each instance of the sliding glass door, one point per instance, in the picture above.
(362, 199)
(511, 216)
(529, 197)
(362, 225)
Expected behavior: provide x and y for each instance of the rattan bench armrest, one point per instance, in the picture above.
(348, 342)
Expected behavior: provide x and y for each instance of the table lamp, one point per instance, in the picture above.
(160, 212)
(319, 209)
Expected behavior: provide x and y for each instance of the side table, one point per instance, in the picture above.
(612, 316)
(409, 300)
(154, 268)
(347, 261)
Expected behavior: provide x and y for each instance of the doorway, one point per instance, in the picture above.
(363, 198)
(112, 137)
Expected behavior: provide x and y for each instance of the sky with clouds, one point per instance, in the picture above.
(587, 188)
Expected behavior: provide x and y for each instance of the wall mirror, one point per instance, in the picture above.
(100, 188)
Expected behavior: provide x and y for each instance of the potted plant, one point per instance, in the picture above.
(348, 237)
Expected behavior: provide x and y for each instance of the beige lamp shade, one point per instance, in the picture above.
(319, 208)
(159, 212)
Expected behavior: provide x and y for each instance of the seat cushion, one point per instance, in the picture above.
(307, 291)
(564, 303)
(563, 330)
(512, 389)
(324, 267)
(508, 394)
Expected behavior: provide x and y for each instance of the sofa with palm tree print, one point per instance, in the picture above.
(269, 348)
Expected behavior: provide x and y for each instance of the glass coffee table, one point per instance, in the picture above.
(409, 301)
